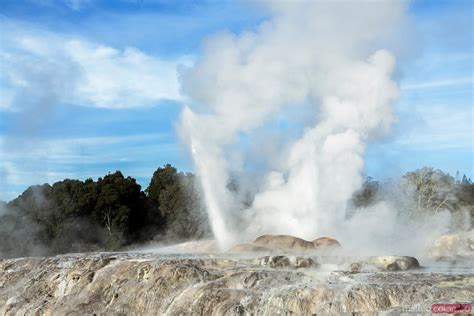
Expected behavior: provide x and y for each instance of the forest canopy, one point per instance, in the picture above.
(107, 214)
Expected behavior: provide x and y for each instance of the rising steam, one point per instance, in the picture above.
(335, 58)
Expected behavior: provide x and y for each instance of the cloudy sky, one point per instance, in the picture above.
(88, 87)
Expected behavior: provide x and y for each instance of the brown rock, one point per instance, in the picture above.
(283, 243)
(325, 242)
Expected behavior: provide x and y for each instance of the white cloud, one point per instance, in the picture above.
(112, 78)
(437, 83)
(440, 128)
(41, 69)
(26, 162)
(84, 150)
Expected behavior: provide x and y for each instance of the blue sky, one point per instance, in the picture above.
(89, 87)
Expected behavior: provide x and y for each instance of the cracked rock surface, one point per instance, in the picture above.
(140, 283)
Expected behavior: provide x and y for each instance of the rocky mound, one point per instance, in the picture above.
(286, 244)
(283, 243)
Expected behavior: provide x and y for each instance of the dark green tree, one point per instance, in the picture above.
(177, 198)
(119, 208)
(162, 178)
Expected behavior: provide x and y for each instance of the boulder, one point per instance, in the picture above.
(356, 267)
(325, 243)
(303, 262)
(394, 263)
(286, 262)
(275, 261)
(283, 243)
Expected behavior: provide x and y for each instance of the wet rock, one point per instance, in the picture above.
(283, 243)
(304, 262)
(286, 262)
(275, 261)
(394, 263)
(382, 264)
(356, 267)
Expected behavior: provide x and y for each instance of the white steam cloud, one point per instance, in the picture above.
(336, 57)
(41, 69)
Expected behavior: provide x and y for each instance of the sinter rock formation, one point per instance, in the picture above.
(127, 283)
(252, 279)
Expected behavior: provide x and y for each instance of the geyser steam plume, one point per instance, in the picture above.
(334, 56)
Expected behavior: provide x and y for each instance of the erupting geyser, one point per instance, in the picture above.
(334, 57)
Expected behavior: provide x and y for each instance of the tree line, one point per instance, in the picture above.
(107, 214)
(423, 190)
(115, 212)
